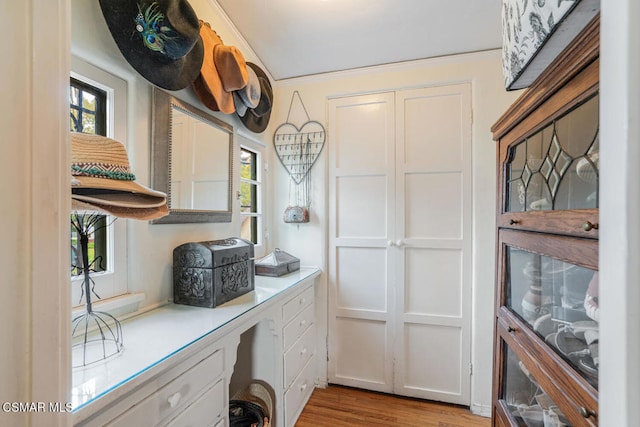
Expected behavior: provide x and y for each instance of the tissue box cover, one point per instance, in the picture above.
(277, 263)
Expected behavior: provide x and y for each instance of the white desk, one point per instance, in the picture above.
(163, 343)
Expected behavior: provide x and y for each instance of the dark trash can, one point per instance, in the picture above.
(251, 407)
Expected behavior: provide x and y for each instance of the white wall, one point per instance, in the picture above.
(490, 100)
(34, 213)
(619, 214)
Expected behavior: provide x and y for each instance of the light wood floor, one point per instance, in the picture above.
(338, 406)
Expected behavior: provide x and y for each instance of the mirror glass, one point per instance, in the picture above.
(191, 161)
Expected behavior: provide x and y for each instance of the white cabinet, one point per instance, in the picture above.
(400, 249)
(188, 361)
(298, 342)
(199, 413)
(297, 395)
(178, 393)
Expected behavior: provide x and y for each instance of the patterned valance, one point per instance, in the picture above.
(534, 32)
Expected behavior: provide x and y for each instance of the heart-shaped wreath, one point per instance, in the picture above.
(299, 148)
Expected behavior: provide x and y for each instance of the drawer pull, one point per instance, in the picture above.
(587, 413)
(513, 221)
(588, 226)
(303, 300)
(511, 329)
(303, 351)
(174, 399)
(303, 387)
(303, 323)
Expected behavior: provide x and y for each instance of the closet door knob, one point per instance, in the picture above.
(400, 243)
(391, 243)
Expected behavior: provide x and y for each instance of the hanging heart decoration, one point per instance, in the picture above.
(299, 148)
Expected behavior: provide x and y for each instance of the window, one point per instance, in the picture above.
(88, 115)
(250, 196)
(88, 108)
(97, 103)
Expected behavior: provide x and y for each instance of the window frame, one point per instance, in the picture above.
(101, 108)
(112, 282)
(260, 187)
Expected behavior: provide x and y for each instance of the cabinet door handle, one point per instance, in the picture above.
(587, 413)
(303, 387)
(588, 226)
(174, 399)
(399, 243)
(303, 351)
(303, 323)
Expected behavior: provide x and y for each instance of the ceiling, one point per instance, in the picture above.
(295, 38)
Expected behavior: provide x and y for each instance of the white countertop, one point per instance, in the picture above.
(152, 337)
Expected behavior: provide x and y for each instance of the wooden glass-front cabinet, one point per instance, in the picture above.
(546, 326)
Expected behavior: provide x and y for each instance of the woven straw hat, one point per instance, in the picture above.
(223, 71)
(102, 176)
(79, 206)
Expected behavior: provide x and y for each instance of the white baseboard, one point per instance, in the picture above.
(481, 410)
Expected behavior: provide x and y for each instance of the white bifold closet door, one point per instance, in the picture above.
(400, 242)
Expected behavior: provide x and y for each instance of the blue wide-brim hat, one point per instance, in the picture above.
(160, 39)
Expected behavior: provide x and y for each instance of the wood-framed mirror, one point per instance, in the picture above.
(191, 160)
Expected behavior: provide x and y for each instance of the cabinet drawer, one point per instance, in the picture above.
(207, 410)
(296, 304)
(294, 329)
(173, 397)
(298, 355)
(296, 397)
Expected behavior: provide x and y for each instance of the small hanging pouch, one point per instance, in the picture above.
(295, 214)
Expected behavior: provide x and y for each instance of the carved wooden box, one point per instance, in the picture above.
(207, 274)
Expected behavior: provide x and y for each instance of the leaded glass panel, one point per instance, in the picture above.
(557, 167)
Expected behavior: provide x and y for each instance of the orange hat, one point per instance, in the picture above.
(223, 71)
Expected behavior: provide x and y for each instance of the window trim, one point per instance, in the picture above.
(261, 191)
(112, 283)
